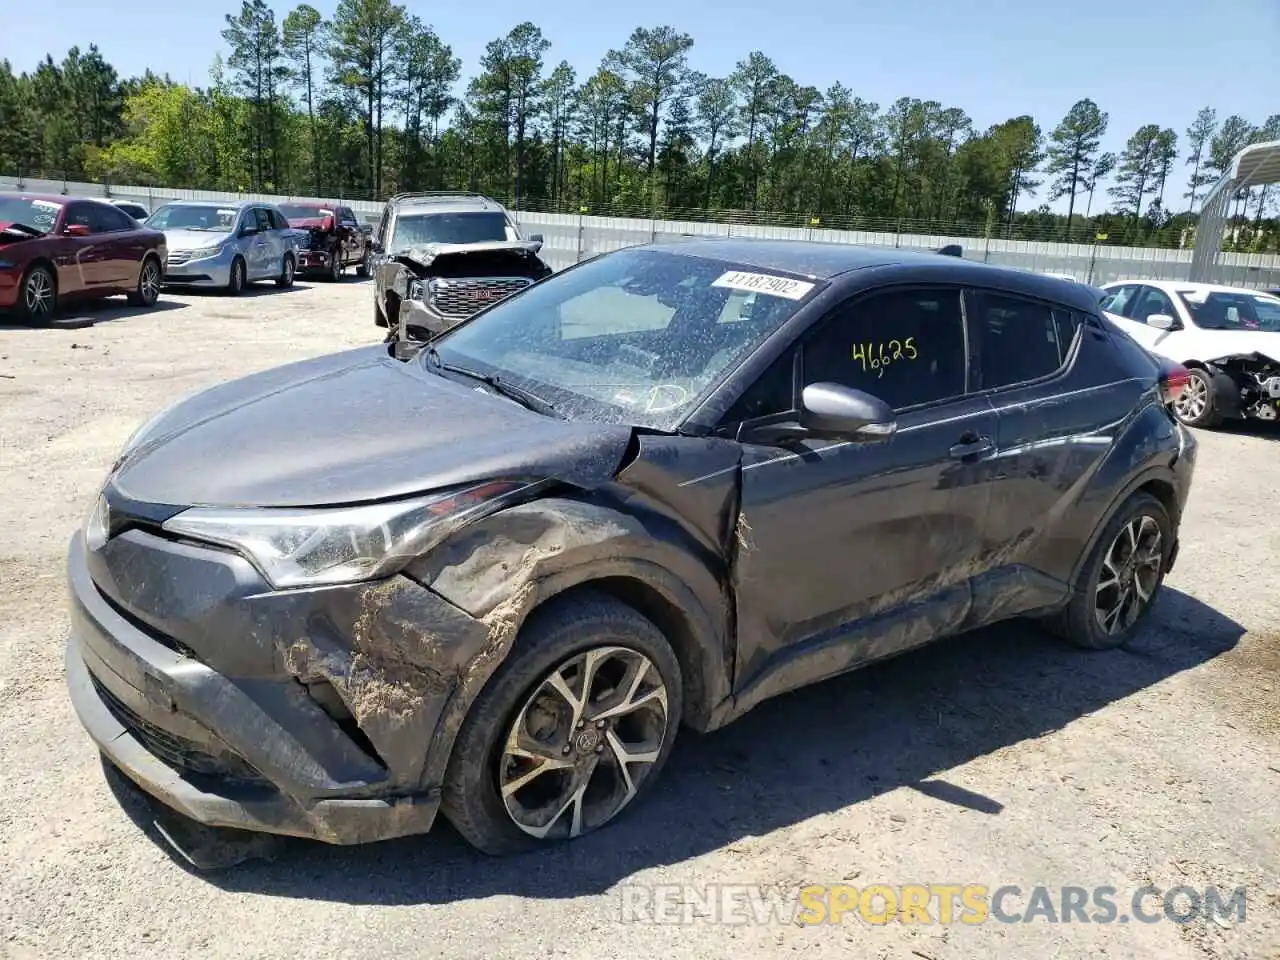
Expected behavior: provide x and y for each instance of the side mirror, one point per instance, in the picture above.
(840, 412)
(828, 410)
(76, 230)
(1162, 321)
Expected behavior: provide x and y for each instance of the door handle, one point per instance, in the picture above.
(971, 446)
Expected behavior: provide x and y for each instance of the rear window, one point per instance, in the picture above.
(305, 211)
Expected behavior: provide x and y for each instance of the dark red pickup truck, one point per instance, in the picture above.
(335, 239)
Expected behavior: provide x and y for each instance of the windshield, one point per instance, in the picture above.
(32, 213)
(209, 219)
(634, 337)
(416, 229)
(305, 211)
(1233, 311)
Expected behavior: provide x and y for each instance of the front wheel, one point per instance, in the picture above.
(148, 290)
(336, 267)
(285, 280)
(1195, 405)
(573, 728)
(235, 284)
(362, 271)
(39, 299)
(1118, 584)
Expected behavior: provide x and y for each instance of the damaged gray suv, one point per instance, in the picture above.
(496, 578)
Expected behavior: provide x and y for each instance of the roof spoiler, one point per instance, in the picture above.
(951, 250)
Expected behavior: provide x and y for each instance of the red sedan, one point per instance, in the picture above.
(54, 249)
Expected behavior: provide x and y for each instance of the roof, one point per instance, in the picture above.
(826, 261)
(446, 201)
(225, 204)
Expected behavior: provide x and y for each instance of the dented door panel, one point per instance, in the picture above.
(845, 535)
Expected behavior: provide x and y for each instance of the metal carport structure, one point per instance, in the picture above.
(1254, 166)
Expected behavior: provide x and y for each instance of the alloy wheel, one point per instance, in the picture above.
(1130, 573)
(37, 295)
(149, 282)
(1194, 399)
(583, 743)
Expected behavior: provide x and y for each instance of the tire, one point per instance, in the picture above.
(38, 297)
(236, 281)
(336, 267)
(379, 318)
(285, 280)
(1196, 407)
(147, 291)
(362, 271)
(559, 640)
(1079, 623)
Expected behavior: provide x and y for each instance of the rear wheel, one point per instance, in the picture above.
(148, 290)
(570, 731)
(1118, 584)
(39, 299)
(1195, 405)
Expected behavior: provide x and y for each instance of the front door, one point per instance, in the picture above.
(852, 551)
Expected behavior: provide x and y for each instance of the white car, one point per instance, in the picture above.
(1228, 338)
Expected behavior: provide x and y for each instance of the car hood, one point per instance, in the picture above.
(353, 427)
(193, 239)
(1234, 343)
(426, 253)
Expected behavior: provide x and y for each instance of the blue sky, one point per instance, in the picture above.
(1143, 61)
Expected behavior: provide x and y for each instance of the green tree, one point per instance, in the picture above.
(303, 41)
(655, 63)
(1073, 148)
(256, 59)
(1137, 169)
(1198, 135)
(717, 114)
(365, 39)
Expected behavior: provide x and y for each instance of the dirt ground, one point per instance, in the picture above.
(1001, 758)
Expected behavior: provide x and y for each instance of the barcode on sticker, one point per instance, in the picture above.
(764, 283)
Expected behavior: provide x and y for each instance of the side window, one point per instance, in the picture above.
(906, 347)
(1150, 301)
(773, 392)
(82, 214)
(1020, 340)
(1120, 300)
(105, 219)
(263, 218)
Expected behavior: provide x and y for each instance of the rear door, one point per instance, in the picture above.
(869, 545)
(123, 246)
(261, 247)
(352, 239)
(1059, 399)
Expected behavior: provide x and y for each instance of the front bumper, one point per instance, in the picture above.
(253, 752)
(10, 287)
(417, 316)
(204, 272)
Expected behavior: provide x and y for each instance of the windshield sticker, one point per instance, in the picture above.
(226, 213)
(46, 204)
(764, 283)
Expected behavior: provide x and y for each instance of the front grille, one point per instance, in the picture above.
(175, 751)
(178, 257)
(463, 297)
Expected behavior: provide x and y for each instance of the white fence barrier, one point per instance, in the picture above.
(570, 238)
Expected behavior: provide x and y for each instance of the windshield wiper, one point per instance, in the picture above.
(522, 396)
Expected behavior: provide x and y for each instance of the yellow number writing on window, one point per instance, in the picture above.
(877, 356)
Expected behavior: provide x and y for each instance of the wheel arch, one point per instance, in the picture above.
(1157, 480)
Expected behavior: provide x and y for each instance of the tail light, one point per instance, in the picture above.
(1174, 378)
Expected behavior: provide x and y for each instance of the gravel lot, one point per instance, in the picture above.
(1000, 758)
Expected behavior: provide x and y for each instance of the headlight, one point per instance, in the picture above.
(316, 546)
(415, 290)
(204, 252)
